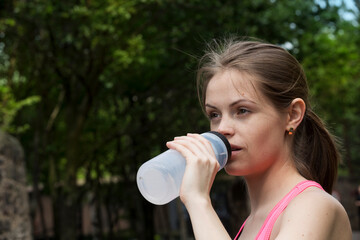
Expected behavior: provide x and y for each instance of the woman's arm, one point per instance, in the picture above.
(200, 172)
(205, 222)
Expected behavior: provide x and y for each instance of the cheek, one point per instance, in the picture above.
(266, 138)
(214, 125)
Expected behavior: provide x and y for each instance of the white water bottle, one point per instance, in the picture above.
(159, 179)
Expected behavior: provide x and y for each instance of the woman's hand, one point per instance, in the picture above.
(201, 167)
(200, 171)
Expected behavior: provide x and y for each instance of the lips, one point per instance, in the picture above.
(235, 148)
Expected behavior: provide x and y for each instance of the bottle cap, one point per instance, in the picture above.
(226, 142)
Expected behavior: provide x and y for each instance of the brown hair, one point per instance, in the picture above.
(281, 79)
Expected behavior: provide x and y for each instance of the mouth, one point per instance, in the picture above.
(235, 148)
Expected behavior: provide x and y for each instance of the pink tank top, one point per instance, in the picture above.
(265, 231)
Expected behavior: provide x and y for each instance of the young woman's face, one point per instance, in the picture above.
(254, 128)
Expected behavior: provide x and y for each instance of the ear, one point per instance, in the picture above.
(296, 113)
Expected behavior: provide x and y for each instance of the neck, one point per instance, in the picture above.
(266, 189)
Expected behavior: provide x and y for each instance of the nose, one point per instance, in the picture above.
(226, 127)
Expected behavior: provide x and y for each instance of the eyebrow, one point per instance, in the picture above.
(231, 104)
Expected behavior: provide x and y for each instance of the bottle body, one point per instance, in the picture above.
(159, 179)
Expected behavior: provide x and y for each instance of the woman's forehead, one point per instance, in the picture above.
(235, 83)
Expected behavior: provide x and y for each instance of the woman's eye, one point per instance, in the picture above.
(242, 111)
(213, 115)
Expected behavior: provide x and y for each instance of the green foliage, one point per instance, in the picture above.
(116, 81)
(9, 108)
(333, 73)
(9, 105)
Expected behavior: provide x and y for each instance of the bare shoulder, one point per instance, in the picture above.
(314, 214)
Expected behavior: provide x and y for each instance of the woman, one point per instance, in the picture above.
(256, 95)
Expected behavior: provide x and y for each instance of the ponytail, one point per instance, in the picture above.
(315, 151)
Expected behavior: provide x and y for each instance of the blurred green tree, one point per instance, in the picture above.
(333, 72)
(9, 106)
(116, 81)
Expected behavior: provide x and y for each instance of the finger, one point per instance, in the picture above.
(197, 145)
(204, 141)
(204, 144)
(199, 152)
(195, 157)
(188, 153)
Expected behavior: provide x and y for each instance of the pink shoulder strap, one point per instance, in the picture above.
(268, 225)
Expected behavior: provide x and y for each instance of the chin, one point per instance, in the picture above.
(238, 168)
(233, 171)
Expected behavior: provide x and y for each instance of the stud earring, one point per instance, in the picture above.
(291, 131)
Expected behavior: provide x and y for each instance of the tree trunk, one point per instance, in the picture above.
(65, 212)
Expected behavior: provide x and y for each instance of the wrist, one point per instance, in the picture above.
(196, 202)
